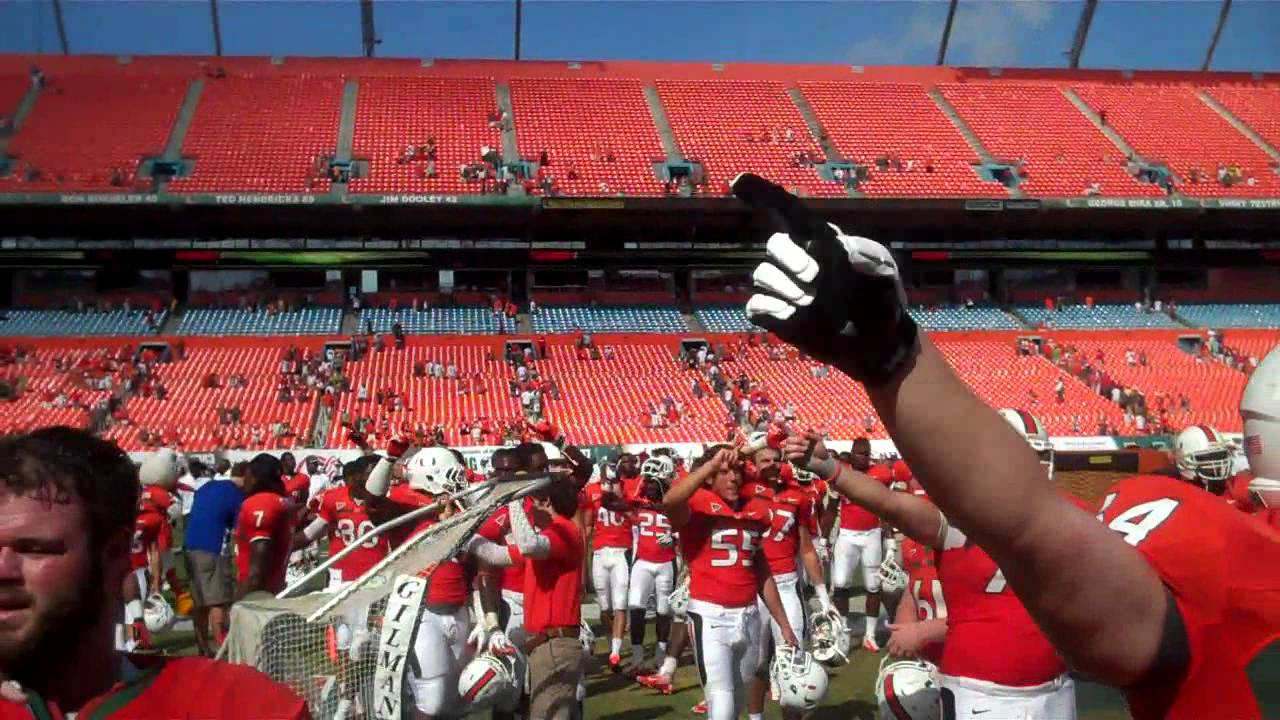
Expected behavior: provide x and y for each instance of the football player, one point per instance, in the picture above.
(860, 542)
(920, 625)
(264, 530)
(1171, 597)
(720, 532)
(995, 659)
(606, 519)
(786, 539)
(1203, 457)
(654, 571)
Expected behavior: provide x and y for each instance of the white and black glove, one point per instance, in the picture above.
(666, 540)
(836, 296)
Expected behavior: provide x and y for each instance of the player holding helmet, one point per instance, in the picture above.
(1156, 598)
(654, 571)
(606, 519)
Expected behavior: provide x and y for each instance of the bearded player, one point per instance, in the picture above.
(720, 533)
(1173, 597)
(606, 519)
(786, 539)
(68, 502)
(653, 573)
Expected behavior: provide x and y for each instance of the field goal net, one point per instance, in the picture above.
(345, 652)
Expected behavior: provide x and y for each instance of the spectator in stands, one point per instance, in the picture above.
(37, 77)
(1094, 188)
(1060, 390)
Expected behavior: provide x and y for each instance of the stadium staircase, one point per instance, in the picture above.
(1255, 106)
(350, 323)
(510, 148)
(970, 136)
(23, 102)
(663, 123)
(695, 324)
(1239, 125)
(347, 121)
(829, 150)
(1121, 144)
(182, 124)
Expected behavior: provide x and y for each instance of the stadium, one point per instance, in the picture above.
(209, 256)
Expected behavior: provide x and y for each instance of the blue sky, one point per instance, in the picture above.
(1165, 34)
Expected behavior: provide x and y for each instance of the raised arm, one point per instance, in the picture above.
(676, 502)
(839, 298)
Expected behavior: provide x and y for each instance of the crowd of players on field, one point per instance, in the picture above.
(728, 554)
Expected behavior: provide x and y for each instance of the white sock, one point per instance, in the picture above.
(660, 656)
(615, 646)
(668, 667)
(755, 716)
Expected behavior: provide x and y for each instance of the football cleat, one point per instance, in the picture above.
(656, 681)
(700, 708)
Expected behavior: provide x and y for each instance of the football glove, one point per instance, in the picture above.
(838, 297)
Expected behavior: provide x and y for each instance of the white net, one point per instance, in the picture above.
(328, 646)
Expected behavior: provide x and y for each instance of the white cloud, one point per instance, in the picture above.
(985, 33)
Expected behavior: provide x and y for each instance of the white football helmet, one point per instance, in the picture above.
(434, 470)
(892, 577)
(1260, 410)
(908, 690)
(805, 477)
(659, 469)
(1030, 427)
(829, 638)
(157, 614)
(492, 680)
(679, 598)
(801, 681)
(1203, 457)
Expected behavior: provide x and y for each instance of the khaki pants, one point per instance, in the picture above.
(555, 669)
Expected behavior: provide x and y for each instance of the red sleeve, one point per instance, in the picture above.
(259, 516)
(495, 528)
(328, 510)
(517, 558)
(705, 502)
(562, 546)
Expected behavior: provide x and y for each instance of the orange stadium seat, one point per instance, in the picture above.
(870, 120)
(394, 112)
(83, 126)
(711, 120)
(12, 89)
(192, 411)
(573, 119)
(30, 410)
(1255, 105)
(262, 134)
(1061, 150)
(1170, 124)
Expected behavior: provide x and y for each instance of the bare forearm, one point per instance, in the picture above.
(916, 517)
(1095, 597)
(933, 631)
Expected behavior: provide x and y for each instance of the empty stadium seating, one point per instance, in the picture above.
(433, 321)
(32, 409)
(979, 317)
(1003, 378)
(53, 323)
(576, 119)
(82, 127)
(234, 321)
(1061, 151)
(1214, 389)
(570, 318)
(1170, 124)
(12, 89)
(870, 120)
(1097, 317)
(394, 112)
(1253, 344)
(191, 411)
(1242, 315)
(1254, 105)
(713, 119)
(603, 401)
(724, 319)
(263, 135)
(835, 403)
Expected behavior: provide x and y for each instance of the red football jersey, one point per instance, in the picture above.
(653, 524)
(448, 584)
(161, 689)
(497, 529)
(926, 589)
(1237, 493)
(792, 507)
(265, 515)
(348, 520)
(610, 527)
(720, 544)
(146, 533)
(990, 635)
(297, 486)
(854, 517)
(1224, 572)
(155, 499)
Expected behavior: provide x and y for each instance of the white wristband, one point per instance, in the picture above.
(491, 621)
